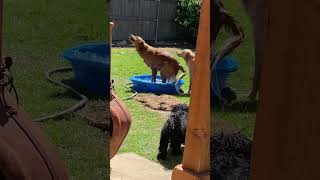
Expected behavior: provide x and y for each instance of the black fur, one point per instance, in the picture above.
(230, 156)
(228, 95)
(173, 131)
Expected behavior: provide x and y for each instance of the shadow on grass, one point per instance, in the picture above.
(183, 95)
(159, 94)
(69, 94)
(239, 106)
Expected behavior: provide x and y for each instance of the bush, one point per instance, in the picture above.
(188, 13)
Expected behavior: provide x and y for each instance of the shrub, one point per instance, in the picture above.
(188, 13)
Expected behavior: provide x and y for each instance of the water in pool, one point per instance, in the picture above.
(89, 56)
(158, 80)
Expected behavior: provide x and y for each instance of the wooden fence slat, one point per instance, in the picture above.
(139, 16)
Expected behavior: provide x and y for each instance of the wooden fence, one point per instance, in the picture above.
(151, 19)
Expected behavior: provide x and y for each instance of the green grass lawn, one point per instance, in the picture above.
(35, 34)
(240, 80)
(144, 135)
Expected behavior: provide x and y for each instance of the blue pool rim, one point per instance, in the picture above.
(93, 76)
(228, 64)
(224, 69)
(142, 83)
(68, 53)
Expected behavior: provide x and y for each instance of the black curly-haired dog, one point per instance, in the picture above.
(230, 156)
(173, 131)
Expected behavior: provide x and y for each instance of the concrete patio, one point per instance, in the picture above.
(129, 166)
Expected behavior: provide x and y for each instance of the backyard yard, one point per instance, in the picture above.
(144, 135)
(35, 34)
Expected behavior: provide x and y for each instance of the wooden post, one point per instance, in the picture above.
(287, 134)
(196, 159)
(111, 24)
(1, 29)
(110, 33)
(1, 37)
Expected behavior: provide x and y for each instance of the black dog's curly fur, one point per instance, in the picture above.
(230, 156)
(173, 131)
(229, 152)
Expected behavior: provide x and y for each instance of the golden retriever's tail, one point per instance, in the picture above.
(182, 74)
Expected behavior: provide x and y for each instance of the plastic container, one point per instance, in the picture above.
(91, 66)
(224, 68)
(142, 83)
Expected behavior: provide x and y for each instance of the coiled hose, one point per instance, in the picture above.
(129, 88)
(75, 107)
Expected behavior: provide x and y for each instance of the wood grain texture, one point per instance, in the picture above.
(197, 150)
(286, 142)
(1, 26)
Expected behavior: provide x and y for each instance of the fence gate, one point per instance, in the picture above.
(150, 19)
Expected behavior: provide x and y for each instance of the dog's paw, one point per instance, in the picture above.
(181, 91)
(162, 156)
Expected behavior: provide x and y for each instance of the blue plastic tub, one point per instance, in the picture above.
(224, 69)
(142, 83)
(91, 66)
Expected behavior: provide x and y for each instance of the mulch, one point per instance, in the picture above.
(97, 114)
(157, 102)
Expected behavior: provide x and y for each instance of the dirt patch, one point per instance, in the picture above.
(159, 103)
(98, 114)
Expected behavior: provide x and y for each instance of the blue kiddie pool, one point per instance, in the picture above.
(224, 68)
(142, 83)
(91, 66)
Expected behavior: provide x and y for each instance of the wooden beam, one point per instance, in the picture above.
(287, 134)
(196, 159)
(111, 24)
(1, 28)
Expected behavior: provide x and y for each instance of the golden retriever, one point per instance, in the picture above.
(189, 58)
(158, 60)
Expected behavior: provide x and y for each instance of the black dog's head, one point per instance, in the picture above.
(7, 62)
(180, 107)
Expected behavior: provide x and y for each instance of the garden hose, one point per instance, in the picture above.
(134, 92)
(74, 108)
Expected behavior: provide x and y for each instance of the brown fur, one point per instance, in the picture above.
(157, 60)
(189, 58)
